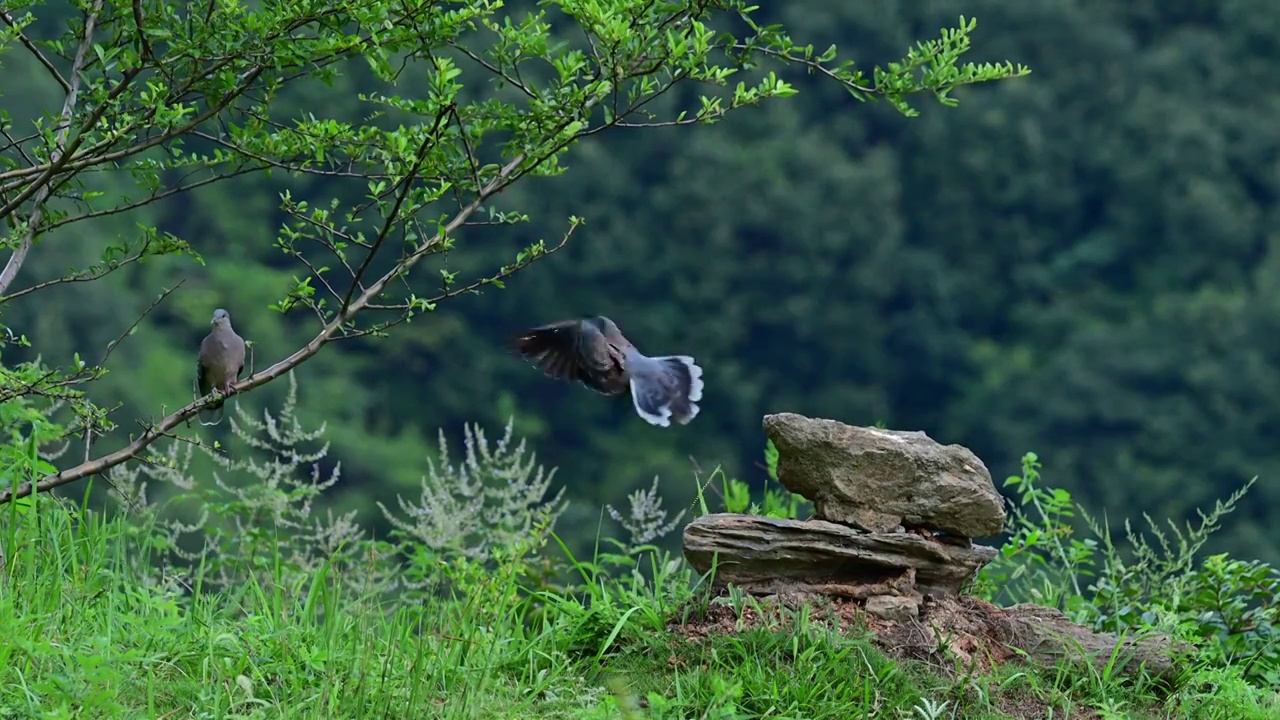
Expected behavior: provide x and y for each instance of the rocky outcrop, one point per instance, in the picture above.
(895, 514)
(891, 540)
(876, 480)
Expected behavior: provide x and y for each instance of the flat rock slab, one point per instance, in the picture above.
(877, 479)
(768, 555)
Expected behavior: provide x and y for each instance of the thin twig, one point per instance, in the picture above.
(154, 197)
(17, 145)
(278, 163)
(146, 52)
(812, 65)
(111, 346)
(26, 42)
(393, 216)
(476, 284)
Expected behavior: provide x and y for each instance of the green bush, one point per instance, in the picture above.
(1227, 608)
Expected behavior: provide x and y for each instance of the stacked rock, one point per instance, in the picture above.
(894, 517)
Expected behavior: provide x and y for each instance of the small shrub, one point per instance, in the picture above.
(1226, 607)
(647, 520)
(487, 514)
(776, 502)
(255, 517)
(259, 517)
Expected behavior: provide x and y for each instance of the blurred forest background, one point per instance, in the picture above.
(1084, 263)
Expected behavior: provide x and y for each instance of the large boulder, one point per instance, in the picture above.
(878, 479)
(768, 555)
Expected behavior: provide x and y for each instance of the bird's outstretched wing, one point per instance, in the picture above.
(573, 350)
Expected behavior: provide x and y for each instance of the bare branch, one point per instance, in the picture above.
(40, 386)
(17, 144)
(30, 46)
(42, 190)
(472, 160)
(514, 81)
(394, 214)
(111, 346)
(153, 197)
(78, 277)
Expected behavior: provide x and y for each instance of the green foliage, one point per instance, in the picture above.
(1226, 607)
(777, 502)
(1234, 603)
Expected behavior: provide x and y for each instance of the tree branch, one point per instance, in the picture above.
(282, 367)
(418, 160)
(90, 159)
(181, 187)
(43, 60)
(811, 65)
(41, 195)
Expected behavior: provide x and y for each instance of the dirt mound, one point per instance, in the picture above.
(951, 632)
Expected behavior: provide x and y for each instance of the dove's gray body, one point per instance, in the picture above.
(594, 352)
(220, 362)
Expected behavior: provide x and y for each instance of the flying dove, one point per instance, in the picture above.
(220, 362)
(594, 352)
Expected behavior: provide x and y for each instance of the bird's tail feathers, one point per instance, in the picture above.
(211, 414)
(672, 393)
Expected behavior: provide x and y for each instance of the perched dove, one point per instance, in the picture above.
(221, 361)
(594, 352)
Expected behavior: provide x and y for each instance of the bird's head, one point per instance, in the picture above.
(221, 318)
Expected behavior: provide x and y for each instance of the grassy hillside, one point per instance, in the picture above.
(237, 600)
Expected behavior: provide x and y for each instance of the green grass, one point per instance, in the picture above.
(86, 631)
(235, 596)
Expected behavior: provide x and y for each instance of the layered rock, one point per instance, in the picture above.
(767, 555)
(876, 480)
(868, 487)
